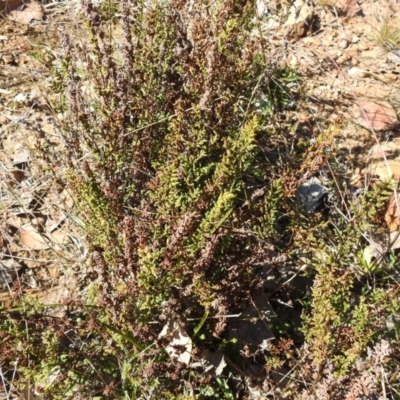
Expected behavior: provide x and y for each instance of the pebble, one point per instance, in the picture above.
(344, 58)
(363, 46)
(394, 56)
(343, 43)
(357, 72)
(7, 58)
(326, 42)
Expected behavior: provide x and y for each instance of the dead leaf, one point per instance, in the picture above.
(32, 239)
(17, 175)
(213, 362)
(67, 199)
(386, 170)
(54, 297)
(180, 346)
(60, 238)
(392, 214)
(376, 116)
(22, 11)
(381, 244)
(357, 179)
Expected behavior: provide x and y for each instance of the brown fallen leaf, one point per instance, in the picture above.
(21, 11)
(17, 175)
(392, 214)
(54, 297)
(386, 171)
(376, 116)
(180, 346)
(34, 240)
(59, 238)
(213, 362)
(381, 244)
(67, 199)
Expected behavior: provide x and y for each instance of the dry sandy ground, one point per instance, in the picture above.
(40, 248)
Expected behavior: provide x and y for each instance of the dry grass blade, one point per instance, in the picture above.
(387, 34)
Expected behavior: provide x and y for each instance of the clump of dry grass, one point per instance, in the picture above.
(326, 3)
(387, 34)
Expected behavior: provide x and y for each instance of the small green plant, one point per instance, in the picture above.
(278, 94)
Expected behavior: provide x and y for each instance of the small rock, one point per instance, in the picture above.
(349, 8)
(7, 59)
(353, 61)
(344, 58)
(394, 56)
(385, 149)
(20, 98)
(363, 46)
(293, 62)
(255, 370)
(343, 43)
(326, 42)
(21, 157)
(300, 20)
(377, 116)
(310, 194)
(355, 39)
(253, 329)
(357, 72)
